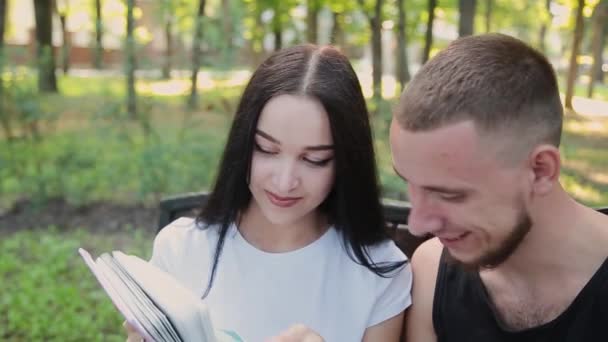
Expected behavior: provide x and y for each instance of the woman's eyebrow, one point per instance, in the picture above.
(309, 148)
(267, 136)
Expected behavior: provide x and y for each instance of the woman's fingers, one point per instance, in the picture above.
(132, 334)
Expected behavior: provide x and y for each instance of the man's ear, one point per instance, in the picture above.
(545, 165)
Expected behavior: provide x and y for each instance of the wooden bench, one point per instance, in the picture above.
(395, 213)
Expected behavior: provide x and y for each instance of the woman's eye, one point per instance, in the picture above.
(262, 150)
(318, 162)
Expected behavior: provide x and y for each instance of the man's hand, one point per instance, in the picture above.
(297, 333)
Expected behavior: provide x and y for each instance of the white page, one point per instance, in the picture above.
(184, 308)
(146, 308)
(116, 300)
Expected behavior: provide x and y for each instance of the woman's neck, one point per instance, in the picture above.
(280, 238)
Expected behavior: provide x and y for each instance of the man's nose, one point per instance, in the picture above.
(424, 217)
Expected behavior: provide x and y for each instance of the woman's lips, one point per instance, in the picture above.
(283, 202)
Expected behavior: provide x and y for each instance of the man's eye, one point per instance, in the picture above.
(452, 197)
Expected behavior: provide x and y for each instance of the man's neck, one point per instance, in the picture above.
(563, 250)
(566, 238)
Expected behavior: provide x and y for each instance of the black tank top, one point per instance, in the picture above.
(462, 311)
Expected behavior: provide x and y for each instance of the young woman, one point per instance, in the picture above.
(293, 231)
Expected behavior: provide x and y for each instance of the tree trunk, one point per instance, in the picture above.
(65, 46)
(98, 59)
(467, 17)
(227, 28)
(544, 27)
(428, 40)
(130, 62)
(576, 42)
(599, 17)
(3, 115)
(312, 26)
(375, 23)
(196, 54)
(488, 15)
(47, 80)
(403, 70)
(166, 72)
(337, 33)
(600, 71)
(277, 29)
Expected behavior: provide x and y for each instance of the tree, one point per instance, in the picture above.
(403, 70)
(599, 17)
(98, 59)
(62, 8)
(3, 10)
(169, 18)
(196, 54)
(375, 24)
(466, 21)
(312, 26)
(47, 80)
(488, 15)
(337, 31)
(576, 43)
(546, 23)
(130, 62)
(428, 40)
(227, 26)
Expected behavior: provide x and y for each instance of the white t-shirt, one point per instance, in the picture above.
(259, 294)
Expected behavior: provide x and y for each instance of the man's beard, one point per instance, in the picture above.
(497, 256)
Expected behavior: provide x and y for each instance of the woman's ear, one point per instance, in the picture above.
(545, 165)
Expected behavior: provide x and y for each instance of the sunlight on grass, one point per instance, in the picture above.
(180, 87)
(590, 127)
(582, 192)
(390, 86)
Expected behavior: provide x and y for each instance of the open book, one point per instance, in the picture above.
(152, 301)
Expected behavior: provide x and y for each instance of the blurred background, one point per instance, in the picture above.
(107, 106)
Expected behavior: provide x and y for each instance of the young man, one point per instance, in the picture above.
(514, 258)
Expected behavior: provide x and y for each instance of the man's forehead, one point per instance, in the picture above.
(448, 138)
(452, 150)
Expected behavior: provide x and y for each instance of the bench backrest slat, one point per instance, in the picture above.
(395, 213)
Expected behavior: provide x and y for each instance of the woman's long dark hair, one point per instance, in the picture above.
(353, 205)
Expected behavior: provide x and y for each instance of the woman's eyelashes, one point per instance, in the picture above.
(264, 150)
(317, 162)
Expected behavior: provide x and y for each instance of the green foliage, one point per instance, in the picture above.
(97, 152)
(108, 155)
(48, 293)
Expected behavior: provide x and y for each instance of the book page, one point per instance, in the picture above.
(151, 317)
(116, 299)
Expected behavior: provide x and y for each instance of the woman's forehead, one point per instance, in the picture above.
(295, 119)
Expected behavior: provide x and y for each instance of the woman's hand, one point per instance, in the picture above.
(297, 333)
(132, 334)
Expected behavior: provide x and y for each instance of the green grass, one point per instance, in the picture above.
(48, 294)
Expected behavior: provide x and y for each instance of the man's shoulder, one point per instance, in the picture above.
(427, 255)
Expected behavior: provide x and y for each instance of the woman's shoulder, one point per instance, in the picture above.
(386, 251)
(182, 231)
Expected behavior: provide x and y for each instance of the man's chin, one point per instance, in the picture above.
(471, 265)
